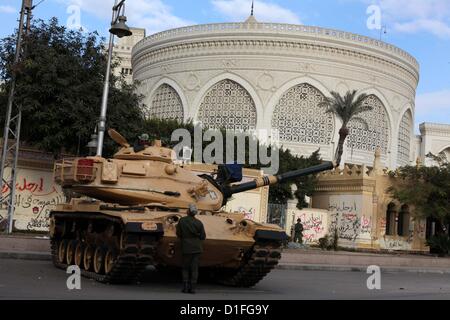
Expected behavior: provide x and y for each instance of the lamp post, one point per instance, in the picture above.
(119, 29)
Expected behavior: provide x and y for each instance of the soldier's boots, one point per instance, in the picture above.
(192, 288)
(186, 287)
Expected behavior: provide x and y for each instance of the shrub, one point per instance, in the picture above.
(439, 244)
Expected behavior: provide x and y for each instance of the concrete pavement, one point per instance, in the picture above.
(21, 279)
(31, 247)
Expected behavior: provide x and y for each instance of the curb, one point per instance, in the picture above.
(310, 267)
(37, 256)
(43, 256)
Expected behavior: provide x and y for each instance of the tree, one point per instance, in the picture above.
(345, 108)
(59, 87)
(427, 189)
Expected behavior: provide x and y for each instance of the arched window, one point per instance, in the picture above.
(403, 221)
(371, 129)
(228, 105)
(445, 155)
(404, 140)
(299, 118)
(391, 215)
(166, 104)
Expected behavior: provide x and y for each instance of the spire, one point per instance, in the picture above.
(251, 19)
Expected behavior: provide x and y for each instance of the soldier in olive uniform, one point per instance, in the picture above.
(298, 230)
(191, 233)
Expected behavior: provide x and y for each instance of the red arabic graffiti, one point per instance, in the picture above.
(25, 185)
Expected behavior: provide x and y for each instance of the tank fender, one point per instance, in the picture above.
(270, 235)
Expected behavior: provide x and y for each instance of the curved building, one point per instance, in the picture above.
(268, 76)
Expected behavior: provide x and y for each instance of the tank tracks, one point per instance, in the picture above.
(256, 265)
(136, 253)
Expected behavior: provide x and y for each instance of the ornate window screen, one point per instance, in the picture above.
(299, 118)
(228, 105)
(371, 129)
(404, 140)
(166, 104)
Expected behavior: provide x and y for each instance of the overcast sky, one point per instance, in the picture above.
(421, 27)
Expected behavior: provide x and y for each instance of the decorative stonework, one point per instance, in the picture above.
(370, 129)
(166, 104)
(300, 119)
(192, 82)
(404, 140)
(266, 82)
(228, 105)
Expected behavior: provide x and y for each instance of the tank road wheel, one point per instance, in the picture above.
(79, 254)
(70, 251)
(62, 247)
(88, 256)
(99, 260)
(110, 260)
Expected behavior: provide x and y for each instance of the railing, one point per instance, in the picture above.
(277, 28)
(73, 171)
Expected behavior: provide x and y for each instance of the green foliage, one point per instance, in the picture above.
(439, 244)
(426, 188)
(329, 242)
(346, 108)
(59, 86)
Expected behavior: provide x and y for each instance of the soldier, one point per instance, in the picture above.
(142, 142)
(191, 233)
(298, 229)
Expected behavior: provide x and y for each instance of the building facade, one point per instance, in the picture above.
(362, 213)
(268, 76)
(434, 138)
(122, 51)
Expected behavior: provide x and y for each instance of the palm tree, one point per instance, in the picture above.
(346, 108)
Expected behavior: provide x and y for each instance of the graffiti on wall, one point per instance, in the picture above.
(36, 195)
(249, 213)
(314, 225)
(348, 219)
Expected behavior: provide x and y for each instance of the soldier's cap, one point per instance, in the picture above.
(144, 137)
(193, 209)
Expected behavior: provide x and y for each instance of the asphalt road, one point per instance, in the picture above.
(20, 279)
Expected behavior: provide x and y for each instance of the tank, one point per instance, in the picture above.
(124, 216)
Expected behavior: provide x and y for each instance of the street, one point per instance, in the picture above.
(21, 279)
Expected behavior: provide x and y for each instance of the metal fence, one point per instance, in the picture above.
(277, 214)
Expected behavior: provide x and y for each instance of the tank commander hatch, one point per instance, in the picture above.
(191, 233)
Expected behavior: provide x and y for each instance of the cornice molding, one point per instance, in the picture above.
(151, 56)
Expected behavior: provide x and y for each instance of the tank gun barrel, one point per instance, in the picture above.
(271, 180)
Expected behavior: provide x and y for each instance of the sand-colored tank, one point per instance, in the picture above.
(131, 204)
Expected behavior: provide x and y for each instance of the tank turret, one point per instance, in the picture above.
(141, 175)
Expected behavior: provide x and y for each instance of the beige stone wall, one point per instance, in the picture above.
(36, 196)
(358, 201)
(315, 223)
(36, 193)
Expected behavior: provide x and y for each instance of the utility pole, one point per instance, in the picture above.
(13, 119)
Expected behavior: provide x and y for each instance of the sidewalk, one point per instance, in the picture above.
(31, 247)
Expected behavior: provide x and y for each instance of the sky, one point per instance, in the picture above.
(421, 27)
